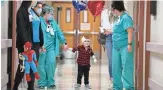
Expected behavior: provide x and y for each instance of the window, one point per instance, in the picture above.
(68, 15)
(85, 16)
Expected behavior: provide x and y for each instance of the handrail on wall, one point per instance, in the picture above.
(154, 47)
(6, 43)
(154, 85)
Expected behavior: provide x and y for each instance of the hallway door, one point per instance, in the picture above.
(68, 20)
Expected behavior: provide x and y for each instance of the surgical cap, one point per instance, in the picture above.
(47, 9)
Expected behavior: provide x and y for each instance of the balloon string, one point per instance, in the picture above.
(93, 33)
(94, 18)
(78, 27)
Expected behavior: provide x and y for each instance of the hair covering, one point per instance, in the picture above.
(47, 9)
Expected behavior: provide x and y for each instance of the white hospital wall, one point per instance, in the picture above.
(4, 35)
(156, 59)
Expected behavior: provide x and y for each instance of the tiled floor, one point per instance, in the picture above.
(66, 74)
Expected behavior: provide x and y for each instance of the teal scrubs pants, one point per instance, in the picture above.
(122, 69)
(46, 68)
(47, 60)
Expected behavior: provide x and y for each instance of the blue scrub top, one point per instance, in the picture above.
(120, 34)
(35, 26)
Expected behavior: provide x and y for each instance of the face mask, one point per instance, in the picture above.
(39, 11)
(115, 15)
(50, 18)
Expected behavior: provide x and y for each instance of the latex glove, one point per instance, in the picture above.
(42, 49)
(95, 60)
(65, 47)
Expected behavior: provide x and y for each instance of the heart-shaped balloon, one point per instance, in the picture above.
(96, 7)
(80, 5)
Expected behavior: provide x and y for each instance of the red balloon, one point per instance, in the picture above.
(96, 7)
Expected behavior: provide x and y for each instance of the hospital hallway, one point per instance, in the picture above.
(66, 76)
(147, 17)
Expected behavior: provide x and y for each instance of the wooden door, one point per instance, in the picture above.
(68, 20)
(61, 12)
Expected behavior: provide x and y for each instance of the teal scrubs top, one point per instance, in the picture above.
(51, 42)
(120, 34)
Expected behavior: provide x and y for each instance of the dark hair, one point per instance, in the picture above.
(44, 4)
(118, 5)
(43, 13)
(39, 3)
(26, 4)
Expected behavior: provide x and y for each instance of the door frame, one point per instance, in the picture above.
(139, 46)
(147, 53)
(135, 18)
(13, 41)
(139, 79)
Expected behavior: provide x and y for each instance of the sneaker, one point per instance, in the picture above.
(88, 86)
(110, 88)
(41, 87)
(52, 87)
(77, 86)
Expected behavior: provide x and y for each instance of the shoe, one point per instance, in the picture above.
(52, 86)
(88, 86)
(110, 88)
(111, 84)
(62, 57)
(77, 86)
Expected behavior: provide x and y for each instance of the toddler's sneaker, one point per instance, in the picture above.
(88, 86)
(77, 86)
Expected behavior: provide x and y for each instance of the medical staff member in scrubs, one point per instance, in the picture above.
(47, 58)
(122, 59)
(36, 27)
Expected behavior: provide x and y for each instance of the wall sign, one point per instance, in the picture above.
(84, 26)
